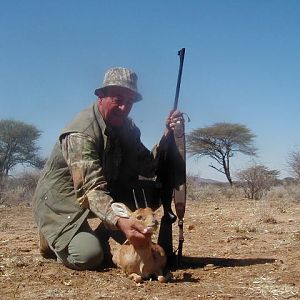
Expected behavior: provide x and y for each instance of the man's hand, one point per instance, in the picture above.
(136, 233)
(173, 118)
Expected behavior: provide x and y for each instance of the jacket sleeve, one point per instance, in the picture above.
(90, 185)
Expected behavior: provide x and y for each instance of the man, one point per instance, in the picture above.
(96, 161)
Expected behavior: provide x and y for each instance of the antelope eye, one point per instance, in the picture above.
(139, 217)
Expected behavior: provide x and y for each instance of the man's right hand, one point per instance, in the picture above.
(173, 118)
(136, 233)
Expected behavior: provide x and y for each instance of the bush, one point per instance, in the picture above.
(293, 192)
(17, 190)
(294, 164)
(257, 180)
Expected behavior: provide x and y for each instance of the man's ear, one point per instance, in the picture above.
(121, 210)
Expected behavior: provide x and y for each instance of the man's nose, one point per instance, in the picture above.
(123, 107)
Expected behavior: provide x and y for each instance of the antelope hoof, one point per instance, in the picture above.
(162, 279)
(136, 278)
(166, 278)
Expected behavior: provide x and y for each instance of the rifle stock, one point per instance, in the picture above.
(165, 238)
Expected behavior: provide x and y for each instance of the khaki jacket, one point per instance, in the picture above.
(56, 208)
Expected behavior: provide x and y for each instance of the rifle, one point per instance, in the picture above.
(172, 176)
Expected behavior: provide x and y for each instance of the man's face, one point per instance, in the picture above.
(115, 105)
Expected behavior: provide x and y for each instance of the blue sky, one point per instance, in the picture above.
(242, 65)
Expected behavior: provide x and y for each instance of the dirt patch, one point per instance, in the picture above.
(233, 250)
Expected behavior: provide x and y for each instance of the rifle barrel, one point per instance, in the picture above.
(181, 55)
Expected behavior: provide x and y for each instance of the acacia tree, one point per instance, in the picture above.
(257, 180)
(294, 163)
(18, 146)
(220, 142)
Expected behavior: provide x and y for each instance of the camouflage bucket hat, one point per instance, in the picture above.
(120, 77)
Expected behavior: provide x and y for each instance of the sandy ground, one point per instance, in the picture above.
(233, 250)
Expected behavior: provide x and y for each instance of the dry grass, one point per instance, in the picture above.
(212, 192)
(268, 219)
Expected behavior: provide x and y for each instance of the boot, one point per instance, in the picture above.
(45, 250)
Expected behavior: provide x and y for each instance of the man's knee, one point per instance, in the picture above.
(85, 252)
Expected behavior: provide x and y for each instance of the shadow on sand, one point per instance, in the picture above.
(214, 263)
(201, 262)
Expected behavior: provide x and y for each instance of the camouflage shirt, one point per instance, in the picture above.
(91, 177)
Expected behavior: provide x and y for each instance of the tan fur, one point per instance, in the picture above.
(142, 262)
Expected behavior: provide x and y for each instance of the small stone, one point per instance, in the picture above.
(209, 267)
(190, 227)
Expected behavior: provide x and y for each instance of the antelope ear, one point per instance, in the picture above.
(121, 210)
